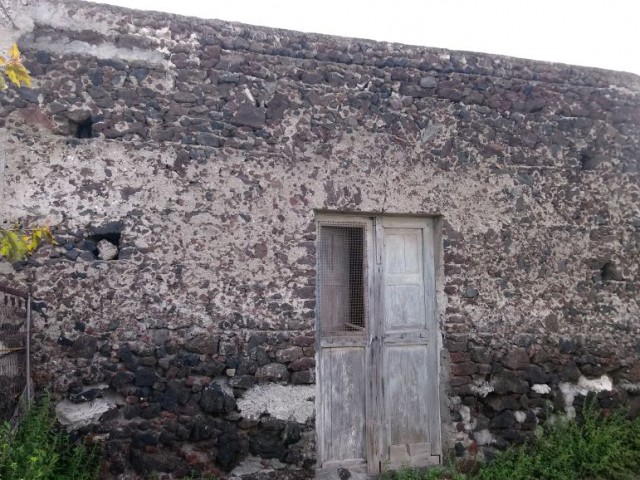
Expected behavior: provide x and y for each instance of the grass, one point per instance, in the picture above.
(37, 450)
(596, 447)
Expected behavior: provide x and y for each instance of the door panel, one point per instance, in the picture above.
(411, 435)
(343, 395)
(406, 401)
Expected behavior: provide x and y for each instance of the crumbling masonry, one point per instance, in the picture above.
(183, 164)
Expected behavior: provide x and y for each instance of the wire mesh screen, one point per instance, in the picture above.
(341, 279)
(13, 361)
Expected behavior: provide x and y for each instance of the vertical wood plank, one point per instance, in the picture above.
(343, 403)
(433, 357)
(410, 364)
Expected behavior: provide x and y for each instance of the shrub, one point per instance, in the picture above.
(595, 447)
(38, 450)
(598, 447)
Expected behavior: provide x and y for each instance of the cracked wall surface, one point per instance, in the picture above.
(209, 147)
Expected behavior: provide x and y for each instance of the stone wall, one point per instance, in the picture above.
(181, 162)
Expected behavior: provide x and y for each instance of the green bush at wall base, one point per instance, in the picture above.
(37, 450)
(595, 447)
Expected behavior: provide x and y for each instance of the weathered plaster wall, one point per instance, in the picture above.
(213, 143)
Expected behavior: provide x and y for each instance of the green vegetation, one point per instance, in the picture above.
(39, 451)
(597, 447)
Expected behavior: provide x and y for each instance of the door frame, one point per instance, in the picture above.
(375, 432)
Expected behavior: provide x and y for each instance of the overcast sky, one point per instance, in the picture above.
(595, 33)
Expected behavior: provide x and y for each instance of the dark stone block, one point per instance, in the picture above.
(273, 372)
(214, 400)
(535, 374)
(85, 346)
(304, 377)
(242, 381)
(508, 382)
(516, 359)
(568, 346)
(145, 377)
(249, 115)
(209, 368)
(121, 379)
(276, 107)
(504, 420)
(267, 444)
(86, 395)
(232, 449)
(145, 463)
(304, 363)
(141, 439)
(470, 293)
(292, 433)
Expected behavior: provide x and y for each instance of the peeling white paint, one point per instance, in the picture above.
(78, 415)
(285, 402)
(482, 389)
(584, 386)
(483, 437)
(541, 389)
(252, 465)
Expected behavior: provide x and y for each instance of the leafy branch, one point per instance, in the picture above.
(13, 69)
(17, 243)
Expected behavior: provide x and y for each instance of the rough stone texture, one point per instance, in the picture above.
(201, 149)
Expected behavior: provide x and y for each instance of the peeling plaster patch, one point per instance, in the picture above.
(482, 389)
(584, 386)
(100, 51)
(465, 412)
(541, 389)
(78, 415)
(483, 437)
(252, 465)
(280, 401)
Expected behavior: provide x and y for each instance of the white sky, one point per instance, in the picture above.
(597, 33)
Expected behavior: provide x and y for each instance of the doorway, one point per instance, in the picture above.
(378, 402)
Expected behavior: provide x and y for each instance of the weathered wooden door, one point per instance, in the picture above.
(378, 402)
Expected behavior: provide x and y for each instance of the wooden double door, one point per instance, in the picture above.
(378, 400)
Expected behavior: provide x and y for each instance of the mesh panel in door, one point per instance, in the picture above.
(341, 277)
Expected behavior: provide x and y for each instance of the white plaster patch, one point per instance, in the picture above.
(285, 402)
(541, 389)
(584, 386)
(252, 465)
(483, 437)
(465, 413)
(520, 416)
(78, 415)
(482, 389)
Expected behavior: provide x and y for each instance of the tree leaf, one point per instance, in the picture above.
(18, 74)
(15, 53)
(12, 247)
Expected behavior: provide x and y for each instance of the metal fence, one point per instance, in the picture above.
(15, 346)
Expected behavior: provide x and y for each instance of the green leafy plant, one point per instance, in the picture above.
(37, 450)
(594, 447)
(13, 69)
(18, 243)
(597, 447)
(434, 473)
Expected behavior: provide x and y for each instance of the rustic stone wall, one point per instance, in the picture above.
(180, 162)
